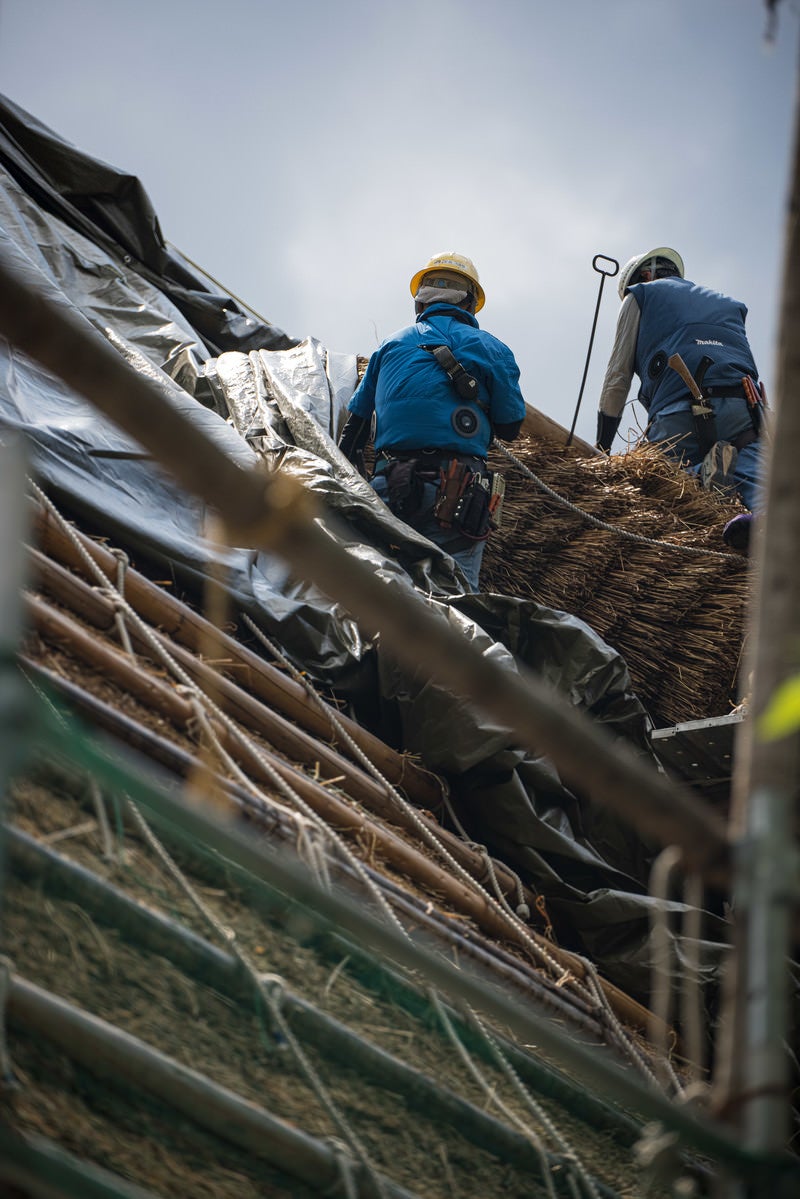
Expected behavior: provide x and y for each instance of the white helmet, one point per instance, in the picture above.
(671, 259)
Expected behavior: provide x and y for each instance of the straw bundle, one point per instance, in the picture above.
(676, 617)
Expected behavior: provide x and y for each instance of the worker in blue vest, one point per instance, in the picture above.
(439, 390)
(698, 380)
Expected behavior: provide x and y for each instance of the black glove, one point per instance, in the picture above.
(355, 435)
(606, 430)
(509, 432)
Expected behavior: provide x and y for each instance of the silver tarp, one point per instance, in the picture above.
(87, 234)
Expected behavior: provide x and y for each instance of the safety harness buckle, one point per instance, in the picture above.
(465, 384)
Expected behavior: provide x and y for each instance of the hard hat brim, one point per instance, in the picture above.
(480, 296)
(632, 266)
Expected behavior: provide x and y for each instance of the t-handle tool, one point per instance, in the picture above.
(613, 268)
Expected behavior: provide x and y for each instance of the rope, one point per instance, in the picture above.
(538, 1111)
(591, 991)
(347, 1179)
(272, 987)
(491, 1095)
(691, 1004)
(119, 611)
(269, 986)
(102, 820)
(277, 780)
(594, 520)
(522, 909)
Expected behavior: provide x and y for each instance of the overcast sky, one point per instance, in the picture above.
(311, 155)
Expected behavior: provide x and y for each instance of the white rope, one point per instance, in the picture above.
(269, 986)
(522, 909)
(526, 1130)
(558, 1137)
(272, 987)
(188, 683)
(602, 524)
(102, 820)
(591, 991)
(119, 611)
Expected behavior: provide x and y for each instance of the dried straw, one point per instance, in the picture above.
(677, 618)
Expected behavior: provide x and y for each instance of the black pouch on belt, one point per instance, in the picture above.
(473, 517)
(405, 487)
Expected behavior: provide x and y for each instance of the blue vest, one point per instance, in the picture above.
(679, 317)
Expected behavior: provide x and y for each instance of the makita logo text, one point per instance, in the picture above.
(710, 342)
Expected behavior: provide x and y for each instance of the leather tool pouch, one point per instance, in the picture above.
(405, 488)
(451, 488)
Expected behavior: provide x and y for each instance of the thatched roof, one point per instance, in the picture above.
(674, 614)
(123, 959)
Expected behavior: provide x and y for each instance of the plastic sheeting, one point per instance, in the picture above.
(87, 234)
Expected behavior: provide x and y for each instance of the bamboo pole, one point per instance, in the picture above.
(32, 1167)
(275, 511)
(269, 684)
(14, 521)
(197, 957)
(112, 1053)
(517, 973)
(164, 699)
(752, 1083)
(333, 911)
(537, 424)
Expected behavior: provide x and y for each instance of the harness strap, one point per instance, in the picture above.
(465, 384)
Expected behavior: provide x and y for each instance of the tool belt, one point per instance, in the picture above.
(469, 497)
(703, 416)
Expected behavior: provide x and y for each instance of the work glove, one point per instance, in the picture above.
(606, 430)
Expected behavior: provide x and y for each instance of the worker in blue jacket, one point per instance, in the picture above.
(715, 432)
(440, 390)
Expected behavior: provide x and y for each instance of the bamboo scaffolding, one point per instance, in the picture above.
(112, 1053)
(753, 1080)
(199, 958)
(261, 678)
(251, 712)
(425, 873)
(335, 912)
(275, 511)
(164, 699)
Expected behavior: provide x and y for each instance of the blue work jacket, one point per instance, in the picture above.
(413, 398)
(680, 317)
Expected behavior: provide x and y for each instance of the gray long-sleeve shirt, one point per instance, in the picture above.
(620, 369)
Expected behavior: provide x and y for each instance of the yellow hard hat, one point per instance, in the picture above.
(457, 264)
